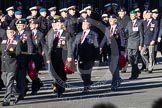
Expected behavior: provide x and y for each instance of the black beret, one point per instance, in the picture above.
(11, 28)
(113, 16)
(21, 21)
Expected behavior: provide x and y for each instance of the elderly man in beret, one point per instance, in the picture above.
(11, 49)
(115, 37)
(134, 30)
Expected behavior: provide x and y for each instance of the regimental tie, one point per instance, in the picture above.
(58, 35)
(33, 36)
(148, 22)
(82, 38)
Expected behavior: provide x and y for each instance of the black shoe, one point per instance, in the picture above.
(150, 71)
(85, 91)
(91, 83)
(133, 78)
(114, 88)
(118, 83)
(59, 95)
(20, 97)
(123, 71)
(143, 69)
(33, 93)
(6, 104)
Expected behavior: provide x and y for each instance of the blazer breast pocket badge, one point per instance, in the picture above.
(135, 29)
(89, 40)
(152, 25)
(116, 36)
(11, 49)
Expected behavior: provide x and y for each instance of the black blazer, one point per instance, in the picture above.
(53, 43)
(9, 55)
(150, 32)
(38, 42)
(119, 36)
(27, 45)
(87, 50)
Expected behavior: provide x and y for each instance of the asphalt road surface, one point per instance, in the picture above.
(140, 93)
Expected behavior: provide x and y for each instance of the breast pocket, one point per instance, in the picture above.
(90, 40)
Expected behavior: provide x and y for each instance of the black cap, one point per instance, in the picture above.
(34, 21)
(54, 21)
(148, 11)
(113, 16)
(58, 20)
(86, 21)
(122, 9)
(11, 28)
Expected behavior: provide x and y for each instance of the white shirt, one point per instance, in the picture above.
(113, 27)
(134, 22)
(21, 32)
(34, 31)
(149, 21)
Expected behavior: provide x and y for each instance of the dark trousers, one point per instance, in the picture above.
(36, 82)
(58, 73)
(85, 69)
(133, 55)
(21, 81)
(8, 80)
(114, 69)
(21, 75)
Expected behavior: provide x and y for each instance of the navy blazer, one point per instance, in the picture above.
(26, 46)
(87, 50)
(120, 33)
(150, 32)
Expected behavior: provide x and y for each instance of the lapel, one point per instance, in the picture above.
(135, 25)
(21, 36)
(90, 35)
(37, 35)
(63, 34)
(147, 27)
(51, 37)
(86, 36)
(108, 33)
